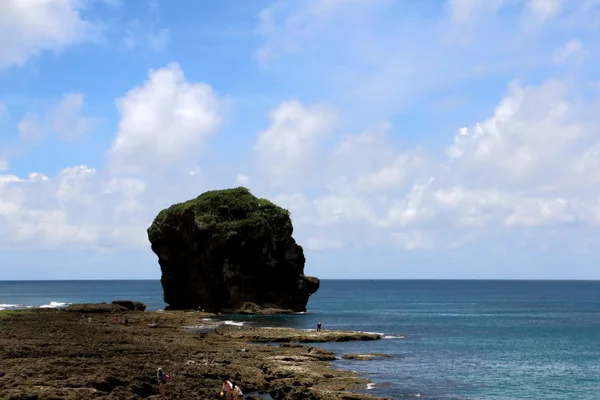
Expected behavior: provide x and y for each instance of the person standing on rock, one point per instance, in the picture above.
(319, 326)
(162, 379)
(227, 388)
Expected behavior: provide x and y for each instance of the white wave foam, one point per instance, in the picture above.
(370, 386)
(392, 337)
(5, 306)
(197, 327)
(54, 304)
(234, 323)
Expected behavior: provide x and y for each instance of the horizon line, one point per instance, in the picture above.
(327, 279)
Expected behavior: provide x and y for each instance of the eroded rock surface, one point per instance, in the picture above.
(55, 354)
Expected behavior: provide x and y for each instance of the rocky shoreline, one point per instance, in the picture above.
(77, 354)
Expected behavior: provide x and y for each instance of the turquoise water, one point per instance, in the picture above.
(453, 339)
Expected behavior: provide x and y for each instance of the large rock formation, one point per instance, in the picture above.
(226, 251)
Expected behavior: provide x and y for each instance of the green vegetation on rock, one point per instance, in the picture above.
(225, 212)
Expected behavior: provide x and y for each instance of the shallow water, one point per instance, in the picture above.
(495, 340)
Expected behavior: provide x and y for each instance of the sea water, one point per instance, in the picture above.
(450, 339)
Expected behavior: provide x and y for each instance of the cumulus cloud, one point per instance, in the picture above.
(529, 164)
(28, 28)
(78, 207)
(291, 141)
(163, 122)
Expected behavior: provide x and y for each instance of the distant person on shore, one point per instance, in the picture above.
(237, 392)
(227, 389)
(162, 379)
(319, 326)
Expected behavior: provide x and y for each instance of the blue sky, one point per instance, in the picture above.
(409, 139)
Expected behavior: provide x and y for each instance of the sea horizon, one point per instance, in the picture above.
(329, 279)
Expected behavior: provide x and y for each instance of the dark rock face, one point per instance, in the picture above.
(226, 251)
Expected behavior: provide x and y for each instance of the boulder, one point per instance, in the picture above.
(227, 250)
(131, 305)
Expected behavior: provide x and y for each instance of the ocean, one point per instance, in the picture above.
(495, 340)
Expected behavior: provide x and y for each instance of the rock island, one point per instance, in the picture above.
(229, 251)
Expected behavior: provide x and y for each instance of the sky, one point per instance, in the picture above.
(445, 139)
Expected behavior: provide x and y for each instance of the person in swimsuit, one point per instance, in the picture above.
(319, 326)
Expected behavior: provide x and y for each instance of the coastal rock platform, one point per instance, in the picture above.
(289, 335)
(55, 354)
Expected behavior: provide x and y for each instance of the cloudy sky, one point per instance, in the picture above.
(409, 139)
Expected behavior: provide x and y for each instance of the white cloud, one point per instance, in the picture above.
(65, 119)
(79, 207)
(28, 27)
(533, 162)
(545, 9)
(290, 142)
(529, 164)
(572, 48)
(163, 122)
(533, 132)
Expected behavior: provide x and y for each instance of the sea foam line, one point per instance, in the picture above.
(54, 304)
